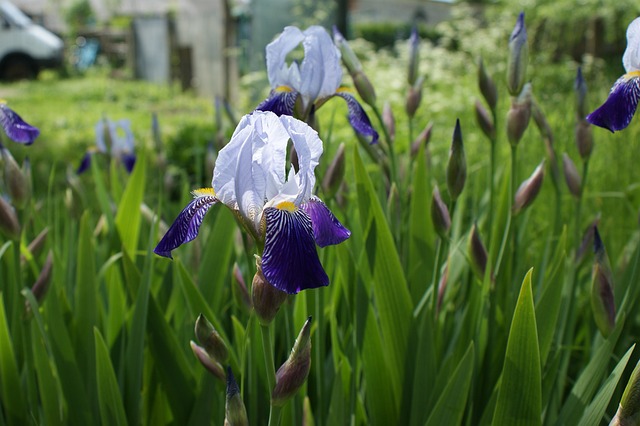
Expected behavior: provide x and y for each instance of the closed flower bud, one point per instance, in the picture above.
(235, 411)
(266, 298)
(36, 245)
(9, 224)
(414, 97)
(518, 115)
(293, 373)
(364, 87)
(211, 340)
(518, 57)
(334, 175)
(487, 86)
(628, 413)
(602, 302)
(457, 166)
(440, 214)
(422, 139)
(442, 287)
(477, 252)
(41, 285)
(18, 187)
(571, 176)
(349, 58)
(581, 95)
(584, 138)
(541, 121)
(239, 288)
(485, 121)
(529, 189)
(207, 362)
(389, 120)
(414, 44)
(587, 241)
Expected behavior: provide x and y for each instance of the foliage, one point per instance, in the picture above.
(408, 332)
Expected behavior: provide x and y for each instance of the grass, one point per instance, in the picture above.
(110, 340)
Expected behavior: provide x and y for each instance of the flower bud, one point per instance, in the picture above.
(364, 87)
(477, 252)
(528, 190)
(518, 57)
(349, 58)
(211, 340)
(18, 188)
(571, 176)
(519, 115)
(587, 240)
(422, 139)
(487, 86)
(414, 97)
(239, 289)
(457, 166)
(389, 120)
(414, 44)
(235, 411)
(266, 298)
(440, 214)
(334, 175)
(581, 95)
(584, 138)
(485, 121)
(207, 362)
(541, 121)
(9, 224)
(35, 246)
(40, 287)
(602, 301)
(628, 413)
(293, 373)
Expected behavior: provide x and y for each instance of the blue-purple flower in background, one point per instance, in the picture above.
(15, 127)
(273, 201)
(115, 139)
(312, 81)
(618, 110)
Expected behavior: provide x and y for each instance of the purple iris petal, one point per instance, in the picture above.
(16, 128)
(327, 229)
(280, 102)
(358, 118)
(186, 226)
(128, 160)
(85, 163)
(290, 261)
(617, 111)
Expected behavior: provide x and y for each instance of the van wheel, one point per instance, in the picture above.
(18, 68)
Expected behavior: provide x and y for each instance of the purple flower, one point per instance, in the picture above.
(618, 110)
(314, 80)
(120, 144)
(272, 200)
(15, 127)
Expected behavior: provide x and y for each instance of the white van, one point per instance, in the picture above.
(25, 47)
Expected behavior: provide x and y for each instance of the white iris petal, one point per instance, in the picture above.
(631, 57)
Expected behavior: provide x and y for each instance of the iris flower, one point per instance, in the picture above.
(313, 81)
(617, 111)
(273, 201)
(15, 127)
(120, 139)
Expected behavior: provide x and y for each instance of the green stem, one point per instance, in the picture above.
(388, 144)
(514, 227)
(492, 190)
(274, 414)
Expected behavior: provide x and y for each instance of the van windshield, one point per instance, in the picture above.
(14, 15)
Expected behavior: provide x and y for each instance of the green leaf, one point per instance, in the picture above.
(12, 391)
(520, 395)
(589, 380)
(129, 216)
(451, 405)
(595, 411)
(109, 397)
(102, 194)
(391, 295)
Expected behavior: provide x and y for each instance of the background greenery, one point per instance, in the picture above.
(110, 340)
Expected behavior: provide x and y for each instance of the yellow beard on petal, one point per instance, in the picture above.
(281, 89)
(287, 205)
(633, 74)
(202, 192)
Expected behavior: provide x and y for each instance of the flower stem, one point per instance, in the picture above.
(388, 144)
(274, 414)
(514, 227)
